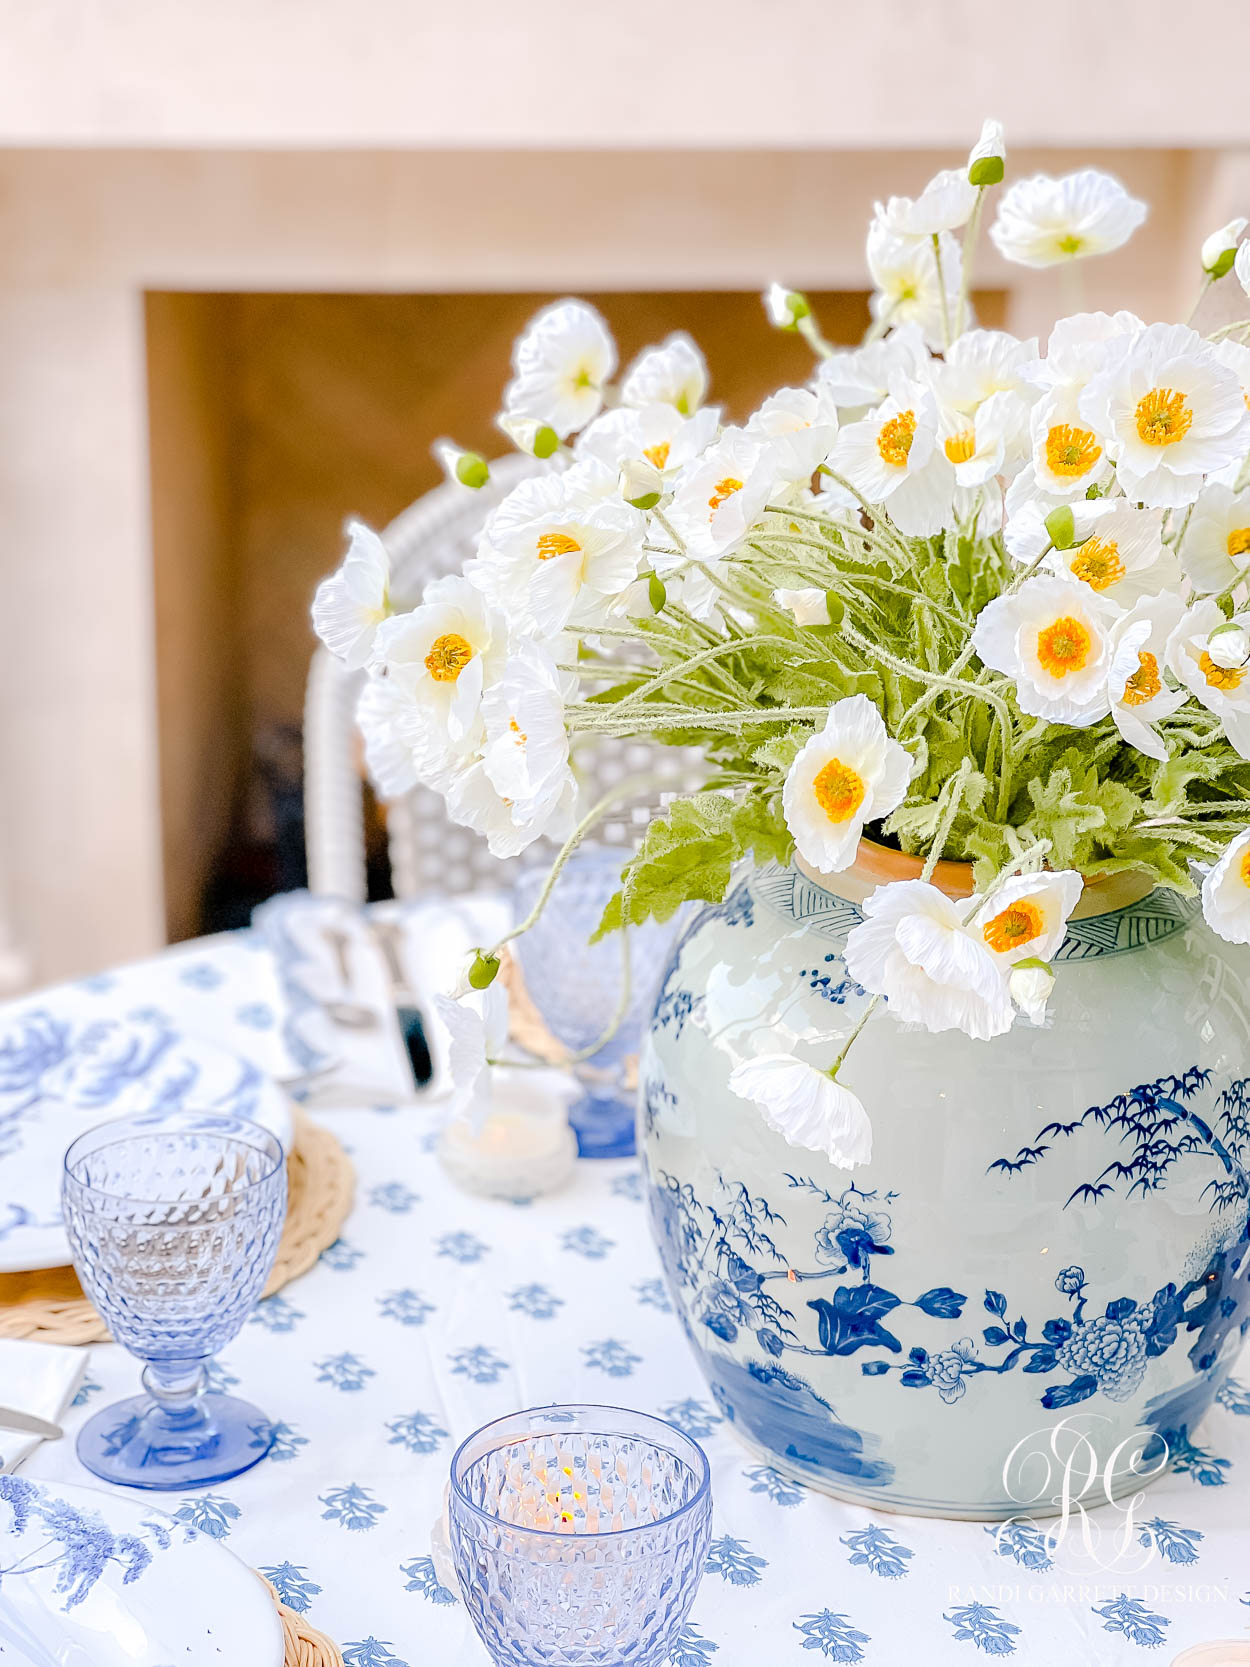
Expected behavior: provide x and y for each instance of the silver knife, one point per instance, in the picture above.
(25, 1423)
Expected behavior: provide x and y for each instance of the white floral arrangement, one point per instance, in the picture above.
(980, 601)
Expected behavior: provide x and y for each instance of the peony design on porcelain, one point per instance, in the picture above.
(1055, 1220)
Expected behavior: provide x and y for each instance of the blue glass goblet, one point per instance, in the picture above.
(577, 986)
(174, 1220)
(579, 1535)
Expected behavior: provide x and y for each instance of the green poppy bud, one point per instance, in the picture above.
(1061, 526)
(483, 970)
(657, 595)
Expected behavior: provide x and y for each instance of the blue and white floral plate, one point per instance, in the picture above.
(61, 1074)
(91, 1579)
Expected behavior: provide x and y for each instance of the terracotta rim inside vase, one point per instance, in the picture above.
(877, 865)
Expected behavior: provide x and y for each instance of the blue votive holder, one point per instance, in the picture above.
(174, 1220)
(579, 1535)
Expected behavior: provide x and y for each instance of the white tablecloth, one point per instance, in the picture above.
(435, 1313)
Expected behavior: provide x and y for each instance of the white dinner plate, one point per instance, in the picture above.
(90, 1579)
(61, 1074)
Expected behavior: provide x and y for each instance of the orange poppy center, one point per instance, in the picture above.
(839, 790)
(448, 656)
(1163, 417)
(1071, 451)
(1245, 868)
(895, 438)
(1145, 683)
(556, 544)
(1019, 923)
(1098, 563)
(724, 490)
(960, 447)
(657, 456)
(1239, 541)
(1220, 677)
(1064, 646)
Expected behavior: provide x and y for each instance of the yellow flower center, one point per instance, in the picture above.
(1245, 868)
(1064, 646)
(657, 456)
(839, 790)
(448, 657)
(723, 490)
(895, 438)
(1071, 244)
(1163, 417)
(1239, 541)
(1098, 563)
(1220, 677)
(960, 447)
(556, 544)
(516, 729)
(1019, 923)
(1071, 451)
(1145, 683)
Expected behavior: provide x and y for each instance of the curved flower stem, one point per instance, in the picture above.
(602, 720)
(946, 315)
(969, 245)
(808, 328)
(672, 532)
(622, 790)
(1201, 296)
(934, 679)
(946, 817)
(715, 652)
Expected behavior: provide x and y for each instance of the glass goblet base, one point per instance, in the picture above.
(604, 1125)
(141, 1444)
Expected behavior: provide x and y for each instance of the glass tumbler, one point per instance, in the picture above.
(579, 1535)
(576, 986)
(174, 1220)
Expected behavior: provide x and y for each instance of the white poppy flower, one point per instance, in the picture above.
(1068, 455)
(655, 434)
(1241, 266)
(561, 364)
(859, 376)
(1053, 637)
(384, 716)
(1077, 349)
(806, 1106)
(981, 363)
(526, 753)
(439, 658)
(1140, 695)
(1226, 892)
(477, 1029)
(1216, 547)
(1121, 554)
(674, 373)
(1219, 250)
(988, 156)
(943, 206)
(904, 270)
(1026, 917)
(893, 458)
(351, 604)
(987, 441)
(1224, 690)
(809, 606)
(557, 552)
(1171, 413)
(1044, 222)
(913, 949)
(850, 773)
(719, 497)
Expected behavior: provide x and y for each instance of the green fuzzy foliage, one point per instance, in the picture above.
(749, 686)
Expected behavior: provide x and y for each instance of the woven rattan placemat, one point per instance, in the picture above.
(49, 1304)
(305, 1647)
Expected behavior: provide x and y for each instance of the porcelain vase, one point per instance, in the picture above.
(1052, 1227)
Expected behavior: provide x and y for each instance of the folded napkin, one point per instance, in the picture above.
(348, 1065)
(40, 1379)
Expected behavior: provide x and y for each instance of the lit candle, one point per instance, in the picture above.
(516, 1154)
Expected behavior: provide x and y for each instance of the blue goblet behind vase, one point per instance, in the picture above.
(174, 1220)
(579, 1535)
(576, 986)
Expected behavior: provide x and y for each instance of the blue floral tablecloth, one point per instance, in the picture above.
(435, 1312)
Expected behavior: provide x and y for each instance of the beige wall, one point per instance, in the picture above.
(84, 234)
